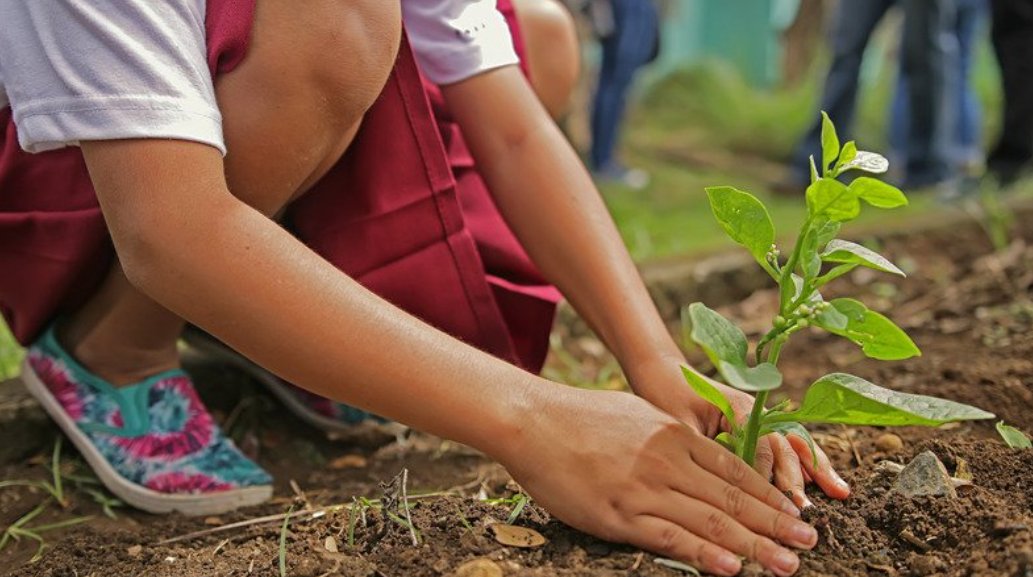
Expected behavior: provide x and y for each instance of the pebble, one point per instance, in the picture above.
(924, 475)
(135, 551)
(889, 443)
(478, 568)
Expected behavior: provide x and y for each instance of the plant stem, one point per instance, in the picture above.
(749, 446)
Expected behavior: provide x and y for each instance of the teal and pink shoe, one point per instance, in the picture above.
(153, 443)
(331, 416)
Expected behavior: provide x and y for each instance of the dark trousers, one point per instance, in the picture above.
(928, 56)
(630, 46)
(1013, 42)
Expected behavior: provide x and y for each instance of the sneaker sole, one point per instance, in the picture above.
(136, 495)
(204, 343)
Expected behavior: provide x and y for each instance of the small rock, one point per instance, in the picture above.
(478, 568)
(330, 544)
(213, 521)
(135, 551)
(925, 564)
(889, 443)
(924, 475)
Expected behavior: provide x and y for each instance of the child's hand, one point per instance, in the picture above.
(787, 459)
(615, 466)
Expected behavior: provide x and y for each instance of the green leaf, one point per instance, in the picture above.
(877, 336)
(831, 320)
(814, 171)
(814, 297)
(791, 428)
(843, 251)
(826, 231)
(810, 260)
(832, 199)
(877, 193)
(1013, 437)
(863, 160)
(717, 336)
(726, 440)
(829, 142)
(850, 400)
(744, 218)
(763, 377)
(847, 155)
(709, 393)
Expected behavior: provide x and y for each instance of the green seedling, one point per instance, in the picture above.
(19, 529)
(283, 542)
(817, 258)
(1013, 437)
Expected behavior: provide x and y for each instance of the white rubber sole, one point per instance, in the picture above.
(129, 492)
(208, 345)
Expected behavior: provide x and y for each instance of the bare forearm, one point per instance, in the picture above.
(549, 199)
(227, 268)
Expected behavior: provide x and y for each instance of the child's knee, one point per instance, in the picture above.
(350, 48)
(312, 71)
(553, 52)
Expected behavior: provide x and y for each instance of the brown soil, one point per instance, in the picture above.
(970, 314)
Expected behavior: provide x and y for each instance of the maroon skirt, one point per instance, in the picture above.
(404, 212)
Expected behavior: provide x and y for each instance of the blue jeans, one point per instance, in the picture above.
(628, 48)
(928, 56)
(966, 136)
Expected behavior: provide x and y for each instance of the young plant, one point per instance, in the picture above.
(817, 258)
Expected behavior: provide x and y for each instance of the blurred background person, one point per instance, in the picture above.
(629, 31)
(1012, 36)
(929, 58)
(966, 139)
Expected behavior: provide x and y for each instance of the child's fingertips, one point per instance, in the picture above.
(726, 564)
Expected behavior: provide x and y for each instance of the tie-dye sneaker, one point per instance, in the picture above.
(339, 419)
(152, 443)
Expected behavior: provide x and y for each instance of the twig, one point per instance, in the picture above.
(405, 506)
(853, 445)
(637, 563)
(269, 519)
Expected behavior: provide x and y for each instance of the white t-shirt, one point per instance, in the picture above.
(75, 70)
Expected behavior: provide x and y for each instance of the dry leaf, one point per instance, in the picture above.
(515, 536)
(479, 568)
(348, 462)
(963, 472)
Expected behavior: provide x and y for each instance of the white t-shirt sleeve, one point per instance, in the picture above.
(456, 39)
(75, 70)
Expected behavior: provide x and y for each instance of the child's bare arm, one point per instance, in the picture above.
(549, 199)
(609, 463)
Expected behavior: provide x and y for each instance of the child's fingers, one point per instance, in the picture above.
(764, 460)
(673, 541)
(789, 472)
(823, 474)
(717, 526)
(731, 469)
(747, 511)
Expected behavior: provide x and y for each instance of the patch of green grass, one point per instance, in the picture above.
(705, 126)
(10, 353)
